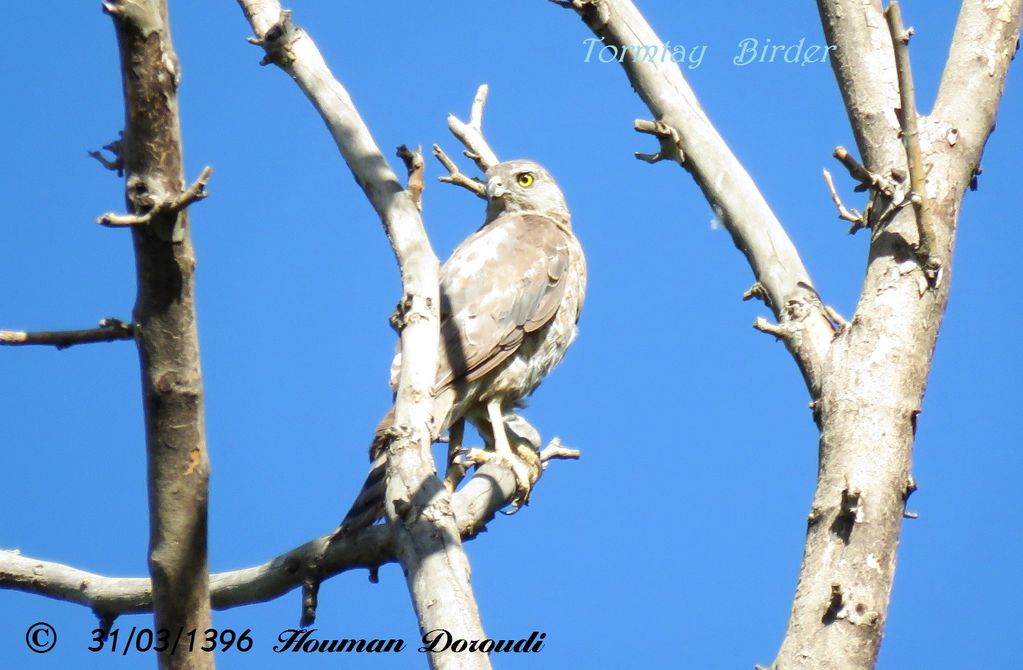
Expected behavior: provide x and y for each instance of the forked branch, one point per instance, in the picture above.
(428, 543)
(471, 134)
(170, 205)
(474, 506)
(476, 146)
(686, 136)
(456, 177)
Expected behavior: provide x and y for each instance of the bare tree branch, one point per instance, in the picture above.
(986, 39)
(418, 505)
(456, 177)
(880, 362)
(109, 330)
(474, 506)
(852, 216)
(865, 73)
(671, 143)
(867, 377)
(908, 118)
(165, 322)
(867, 179)
(415, 166)
(686, 135)
(471, 134)
(115, 165)
(170, 204)
(555, 450)
(476, 146)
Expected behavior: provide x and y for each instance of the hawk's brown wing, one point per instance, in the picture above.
(504, 281)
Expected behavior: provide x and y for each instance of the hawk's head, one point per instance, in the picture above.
(523, 186)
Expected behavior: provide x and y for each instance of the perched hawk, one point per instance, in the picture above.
(510, 297)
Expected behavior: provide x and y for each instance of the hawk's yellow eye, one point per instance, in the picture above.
(525, 179)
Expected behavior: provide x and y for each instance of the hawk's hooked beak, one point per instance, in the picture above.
(495, 188)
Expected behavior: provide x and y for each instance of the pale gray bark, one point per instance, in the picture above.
(686, 135)
(419, 512)
(879, 366)
(866, 378)
(426, 524)
(471, 134)
(474, 505)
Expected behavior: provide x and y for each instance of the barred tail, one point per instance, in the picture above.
(369, 504)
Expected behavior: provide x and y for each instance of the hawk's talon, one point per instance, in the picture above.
(455, 472)
(457, 465)
(453, 478)
(525, 475)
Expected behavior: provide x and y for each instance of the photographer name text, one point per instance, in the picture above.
(305, 640)
(750, 51)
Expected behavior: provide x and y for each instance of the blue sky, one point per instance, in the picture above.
(676, 540)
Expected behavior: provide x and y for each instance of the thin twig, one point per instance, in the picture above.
(471, 134)
(850, 215)
(414, 164)
(765, 326)
(456, 177)
(911, 140)
(866, 178)
(668, 137)
(109, 330)
(840, 323)
(310, 600)
(757, 291)
(195, 192)
(557, 451)
(888, 194)
(116, 165)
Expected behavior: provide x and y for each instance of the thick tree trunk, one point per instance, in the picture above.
(878, 365)
(867, 377)
(867, 412)
(165, 326)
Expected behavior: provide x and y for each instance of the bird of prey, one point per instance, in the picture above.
(510, 298)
